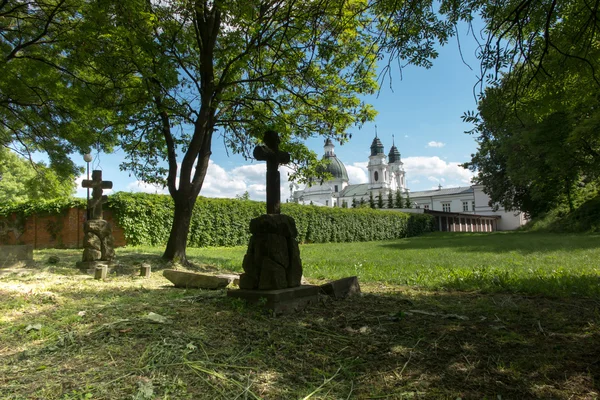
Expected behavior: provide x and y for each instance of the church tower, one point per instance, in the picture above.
(378, 166)
(396, 169)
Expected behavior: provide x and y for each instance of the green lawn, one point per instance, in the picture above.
(525, 324)
(536, 263)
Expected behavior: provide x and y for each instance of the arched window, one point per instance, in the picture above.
(376, 176)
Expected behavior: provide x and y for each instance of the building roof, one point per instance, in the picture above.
(336, 168)
(359, 190)
(394, 155)
(443, 192)
(376, 147)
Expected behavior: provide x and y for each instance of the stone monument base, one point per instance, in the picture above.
(280, 301)
(89, 267)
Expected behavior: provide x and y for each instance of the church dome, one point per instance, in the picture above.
(335, 167)
(376, 147)
(394, 155)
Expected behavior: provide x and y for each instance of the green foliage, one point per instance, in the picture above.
(146, 220)
(398, 201)
(371, 200)
(585, 217)
(390, 200)
(41, 207)
(538, 133)
(408, 203)
(379, 200)
(21, 181)
(46, 103)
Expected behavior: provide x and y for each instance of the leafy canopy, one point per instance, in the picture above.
(22, 180)
(45, 104)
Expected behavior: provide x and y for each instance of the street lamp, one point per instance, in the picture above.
(88, 158)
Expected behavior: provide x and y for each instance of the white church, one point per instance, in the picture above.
(456, 209)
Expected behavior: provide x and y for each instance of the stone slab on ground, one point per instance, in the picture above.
(89, 267)
(15, 254)
(185, 279)
(233, 278)
(281, 301)
(341, 288)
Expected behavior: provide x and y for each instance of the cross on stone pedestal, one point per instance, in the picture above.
(270, 153)
(97, 184)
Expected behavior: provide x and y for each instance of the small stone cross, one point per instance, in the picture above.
(270, 153)
(97, 184)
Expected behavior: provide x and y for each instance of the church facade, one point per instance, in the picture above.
(387, 175)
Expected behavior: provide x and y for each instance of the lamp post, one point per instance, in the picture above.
(88, 158)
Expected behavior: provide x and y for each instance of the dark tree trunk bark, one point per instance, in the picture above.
(177, 244)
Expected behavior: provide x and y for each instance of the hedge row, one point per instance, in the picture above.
(146, 220)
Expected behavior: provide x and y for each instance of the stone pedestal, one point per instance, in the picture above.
(98, 244)
(282, 301)
(272, 261)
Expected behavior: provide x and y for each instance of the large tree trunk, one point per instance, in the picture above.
(176, 246)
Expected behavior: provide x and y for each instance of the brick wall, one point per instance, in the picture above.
(63, 230)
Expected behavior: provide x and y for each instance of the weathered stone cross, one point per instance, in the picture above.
(97, 184)
(270, 153)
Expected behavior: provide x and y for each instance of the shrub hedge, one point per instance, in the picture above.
(146, 220)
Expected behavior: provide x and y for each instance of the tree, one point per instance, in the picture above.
(243, 197)
(398, 201)
(390, 200)
(535, 151)
(354, 204)
(379, 200)
(21, 180)
(44, 105)
(188, 70)
(408, 203)
(371, 200)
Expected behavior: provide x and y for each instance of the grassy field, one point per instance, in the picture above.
(507, 315)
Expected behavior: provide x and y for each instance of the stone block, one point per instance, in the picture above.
(89, 267)
(92, 241)
(91, 255)
(272, 276)
(100, 272)
(184, 279)
(279, 224)
(282, 301)
(14, 254)
(341, 288)
(145, 270)
(235, 279)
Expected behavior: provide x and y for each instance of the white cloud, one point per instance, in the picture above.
(435, 144)
(139, 186)
(434, 169)
(357, 172)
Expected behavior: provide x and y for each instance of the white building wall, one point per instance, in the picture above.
(510, 220)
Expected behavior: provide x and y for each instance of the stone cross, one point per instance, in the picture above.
(270, 153)
(97, 184)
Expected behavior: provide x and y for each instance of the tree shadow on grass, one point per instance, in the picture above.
(499, 242)
(393, 342)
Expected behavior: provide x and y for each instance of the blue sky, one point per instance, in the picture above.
(422, 110)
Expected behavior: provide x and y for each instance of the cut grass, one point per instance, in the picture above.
(519, 262)
(94, 340)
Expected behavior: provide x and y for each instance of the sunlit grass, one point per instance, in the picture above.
(64, 335)
(552, 264)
